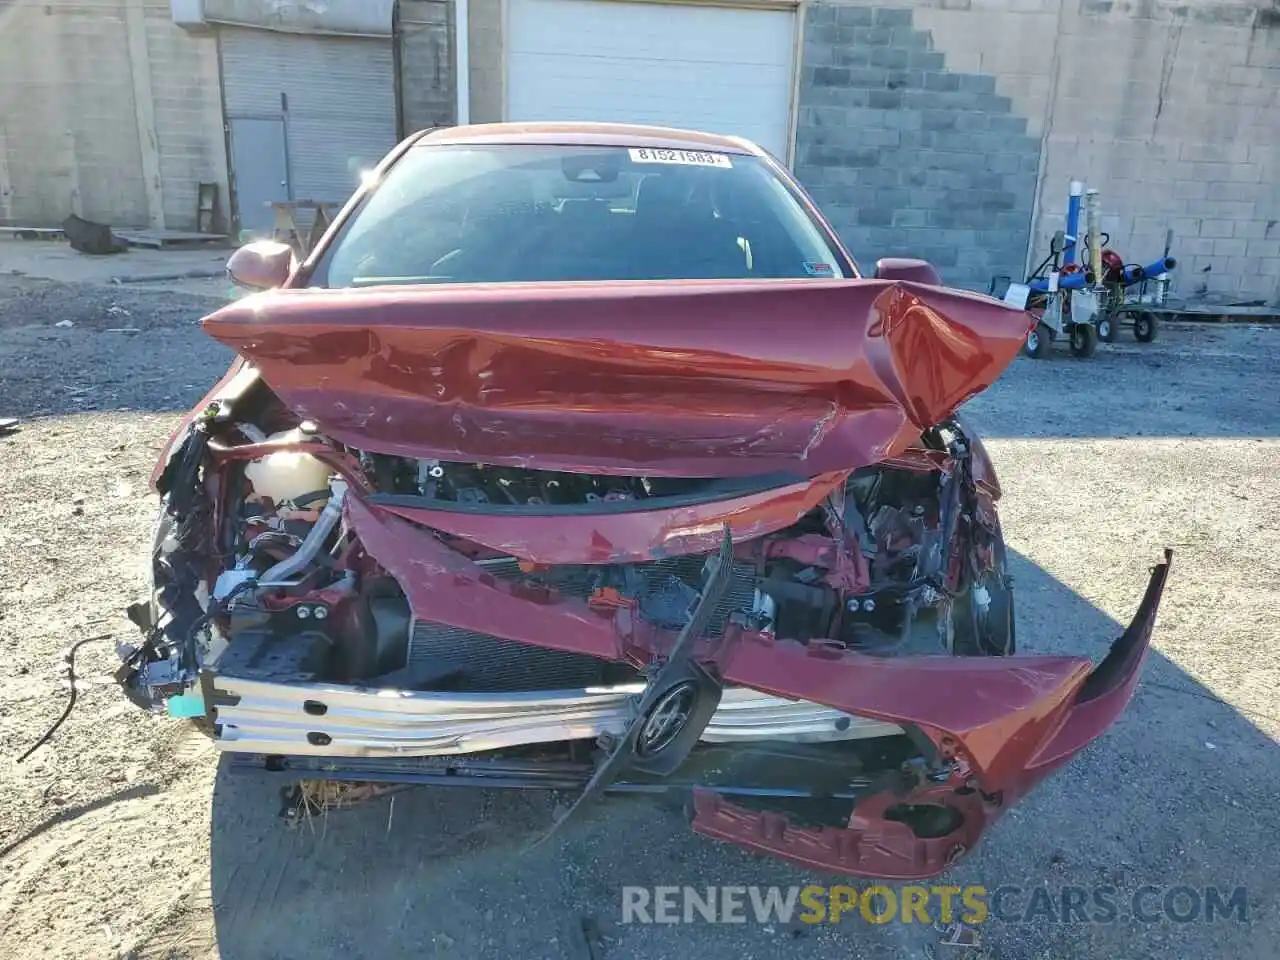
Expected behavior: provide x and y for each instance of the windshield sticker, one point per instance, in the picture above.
(690, 158)
(818, 269)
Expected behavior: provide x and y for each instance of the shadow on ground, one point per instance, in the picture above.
(1197, 380)
(440, 872)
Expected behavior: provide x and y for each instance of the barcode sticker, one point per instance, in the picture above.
(691, 158)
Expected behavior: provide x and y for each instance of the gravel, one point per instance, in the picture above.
(125, 837)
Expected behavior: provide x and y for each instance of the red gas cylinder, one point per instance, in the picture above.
(1112, 267)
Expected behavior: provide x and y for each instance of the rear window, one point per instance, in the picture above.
(506, 213)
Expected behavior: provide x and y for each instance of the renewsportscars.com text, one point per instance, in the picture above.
(972, 904)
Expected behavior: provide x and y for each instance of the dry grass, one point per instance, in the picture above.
(315, 799)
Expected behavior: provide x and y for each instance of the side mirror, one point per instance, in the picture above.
(1058, 243)
(906, 268)
(261, 265)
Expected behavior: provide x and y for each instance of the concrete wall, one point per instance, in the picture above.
(425, 60)
(908, 154)
(107, 110)
(1170, 109)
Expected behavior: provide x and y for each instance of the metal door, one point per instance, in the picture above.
(260, 165)
(337, 95)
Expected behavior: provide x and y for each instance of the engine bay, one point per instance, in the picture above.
(893, 562)
(475, 483)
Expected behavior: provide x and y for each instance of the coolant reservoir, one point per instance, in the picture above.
(289, 475)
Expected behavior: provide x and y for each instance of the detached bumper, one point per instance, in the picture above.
(996, 727)
(993, 762)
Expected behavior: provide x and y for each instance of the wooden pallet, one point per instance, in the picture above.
(34, 233)
(155, 239)
(159, 239)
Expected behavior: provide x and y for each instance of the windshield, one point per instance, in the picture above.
(513, 212)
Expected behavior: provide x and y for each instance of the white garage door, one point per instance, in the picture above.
(702, 67)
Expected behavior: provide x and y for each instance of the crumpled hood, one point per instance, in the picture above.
(680, 378)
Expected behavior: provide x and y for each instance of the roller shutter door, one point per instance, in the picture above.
(336, 96)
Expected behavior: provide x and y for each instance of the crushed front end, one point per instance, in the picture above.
(817, 640)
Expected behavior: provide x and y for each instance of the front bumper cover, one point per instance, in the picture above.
(991, 769)
(991, 728)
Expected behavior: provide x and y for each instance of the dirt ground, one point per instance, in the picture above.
(125, 836)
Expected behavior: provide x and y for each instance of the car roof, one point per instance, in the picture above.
(589, 134)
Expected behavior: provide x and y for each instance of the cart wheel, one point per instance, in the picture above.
(1108, 324)
(1039, 341)
(1144, 327)
(1084, 340)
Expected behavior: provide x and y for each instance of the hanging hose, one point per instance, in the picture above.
(71, 700)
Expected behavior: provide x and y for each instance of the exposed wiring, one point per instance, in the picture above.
(274, 536)
(70, 657)
(216, 609)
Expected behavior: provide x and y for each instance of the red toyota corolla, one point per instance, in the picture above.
(582, 457)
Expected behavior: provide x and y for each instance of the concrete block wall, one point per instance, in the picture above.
(107, 110)
(425, 60)
(186, 95)
(1172, 111)
(908, 154)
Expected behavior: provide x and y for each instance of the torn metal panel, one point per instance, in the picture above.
(625, 535)
(679, 379)
(449, 588)
(995, 763)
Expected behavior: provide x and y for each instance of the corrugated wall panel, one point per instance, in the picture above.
(699, 66)
(337, 95)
